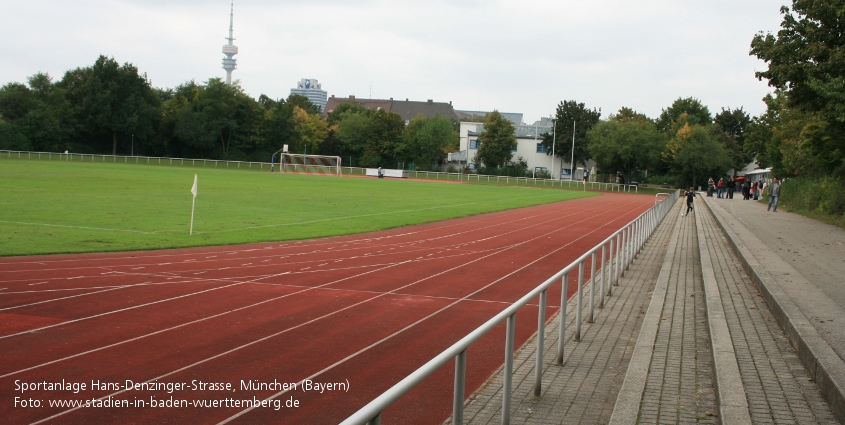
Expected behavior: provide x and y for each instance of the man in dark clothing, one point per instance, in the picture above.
(690, 195)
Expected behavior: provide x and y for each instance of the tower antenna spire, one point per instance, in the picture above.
(230, 50)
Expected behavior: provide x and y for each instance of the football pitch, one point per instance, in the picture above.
(69, 207)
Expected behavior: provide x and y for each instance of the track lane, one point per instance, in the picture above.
(466, 247)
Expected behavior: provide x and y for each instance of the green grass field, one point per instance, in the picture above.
(69, 207)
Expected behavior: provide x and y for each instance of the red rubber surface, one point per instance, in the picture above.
(364, 310)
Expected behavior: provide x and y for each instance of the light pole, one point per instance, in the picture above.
(534, 169)
(133, 144)
(554, 142)
(572, 163)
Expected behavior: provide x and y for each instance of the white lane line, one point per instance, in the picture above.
(39, 283)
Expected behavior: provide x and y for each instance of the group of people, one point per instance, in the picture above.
(750, 190)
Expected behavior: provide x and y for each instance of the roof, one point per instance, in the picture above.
(407, 109)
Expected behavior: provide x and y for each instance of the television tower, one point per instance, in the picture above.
(230, 50)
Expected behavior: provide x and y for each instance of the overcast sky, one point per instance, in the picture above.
(515, 56)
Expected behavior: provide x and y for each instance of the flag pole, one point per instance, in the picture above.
(193, 203)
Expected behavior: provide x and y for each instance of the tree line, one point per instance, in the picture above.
(686, 143)
(112, 108)
(801, 133)
(109, 108)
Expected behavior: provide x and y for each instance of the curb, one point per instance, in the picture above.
(821, 361)
(730, 391)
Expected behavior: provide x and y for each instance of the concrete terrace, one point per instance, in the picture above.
(697, 331)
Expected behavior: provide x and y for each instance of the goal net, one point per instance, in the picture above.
(318, 164)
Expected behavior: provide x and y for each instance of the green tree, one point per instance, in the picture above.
(221, 120)
(570, 113)
(37, 115)
(298, 100)
(683, 111)
(695, 153)
(120, 101)
(425, 140)
(625, 144)
(734, 124)
(497, 140)
(805, 60)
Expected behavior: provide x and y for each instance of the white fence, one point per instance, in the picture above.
(258, 166)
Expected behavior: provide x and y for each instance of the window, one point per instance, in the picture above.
(541, 148)
(474, 144)
(513, 148)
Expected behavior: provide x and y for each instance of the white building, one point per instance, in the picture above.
(529, 147)
(311, 88)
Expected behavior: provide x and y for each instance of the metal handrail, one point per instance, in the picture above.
(627, 242)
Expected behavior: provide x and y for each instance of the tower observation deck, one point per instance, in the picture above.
(230, 50)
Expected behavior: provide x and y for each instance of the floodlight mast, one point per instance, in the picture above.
(230, 50)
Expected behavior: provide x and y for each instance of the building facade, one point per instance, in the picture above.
(311, 88)
(529, 147)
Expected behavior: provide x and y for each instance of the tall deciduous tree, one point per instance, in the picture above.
(694, 153)
(120, 101)
(497, 140)
(683, 111)
(571, 117)
(805, 59)
(626, 143)
(425, 140)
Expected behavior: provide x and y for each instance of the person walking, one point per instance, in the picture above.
(720, 187)
(774, 193)
(690, 195)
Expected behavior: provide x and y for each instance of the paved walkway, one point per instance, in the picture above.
(687, 337)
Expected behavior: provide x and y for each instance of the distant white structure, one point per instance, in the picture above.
(230, 50)
(311, 88)
(529, 147)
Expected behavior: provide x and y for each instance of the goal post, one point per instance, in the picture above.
(314, 164)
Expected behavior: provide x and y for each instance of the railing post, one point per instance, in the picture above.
(541, 334)
(610, 267)
(592, 287)
(603, 273)
(580, 301)
(625, 239)
(507, 379)
(460, 388)
(561, 337)
(376, 420)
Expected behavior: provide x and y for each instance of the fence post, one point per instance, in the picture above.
(592, 287)
(541, 334)
(610, 267)
(507, 379)
(460, 387)
(580, 301)
(603, 273)
(561, 337)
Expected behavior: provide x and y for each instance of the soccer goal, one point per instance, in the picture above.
(318, 164)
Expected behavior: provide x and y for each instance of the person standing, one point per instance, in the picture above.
(720, 188)
(774, 193)
(730, 188)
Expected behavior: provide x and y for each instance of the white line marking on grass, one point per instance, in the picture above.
(78, 227)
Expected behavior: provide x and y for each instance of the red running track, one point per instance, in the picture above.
(355, 313)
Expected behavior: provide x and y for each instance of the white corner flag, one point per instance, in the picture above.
(194, 192)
